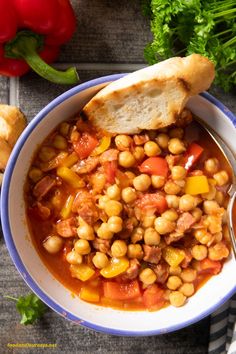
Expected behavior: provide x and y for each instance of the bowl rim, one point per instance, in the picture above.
(7, 230)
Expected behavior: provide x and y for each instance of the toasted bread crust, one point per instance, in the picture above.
(150, 98)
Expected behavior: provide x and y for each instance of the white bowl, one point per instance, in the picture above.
(130, 323)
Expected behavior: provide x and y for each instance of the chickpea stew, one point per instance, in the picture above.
(130, 222)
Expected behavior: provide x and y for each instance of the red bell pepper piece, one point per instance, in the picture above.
(153, 297)
(155, 201)
(31, 34)
(155, 166)
(85, 145)
(125, 291)
(192, 155)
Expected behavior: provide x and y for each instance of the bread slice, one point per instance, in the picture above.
(12, 123)
(150, 98)
(5, 151)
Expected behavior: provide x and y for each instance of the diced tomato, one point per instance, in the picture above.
(192, 155)
(153, 297)
(118, 291)
(110, 170)
(85, 145)
(155, 166)
(209, 267)
(153, 201)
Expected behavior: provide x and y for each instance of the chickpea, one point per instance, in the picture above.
(113, 192)
(173, 282)
(221, 178)
(137, 235)
(218, 252)
(162, 140)
(164, 226)
(142, 182)
(138, 153)
(135, 251)
(188, 275)
(177, 299)
(158, 181)
(173, 201)
(100, 260)
(147, 276)
(86, 232)
(102, 201)
(170, 215)
(210, 207)
(151, 149)
(46, 153)
(187, 289)
(203, 236)
(213, 223)
(74, 258)
(218, 237)
(176, 146)
(172, 188)
(118, 248)
(175, 270)
(123, 142)
(129, 195)
(178, 173)
(82, 247)
(53, 244)
(187, 202)
(126, 159)
(199, 252)
(104, 232)
(115, 224)
(113, 208)
(211, 166)
(176, 133)
(197, 214)
(148, 221)
(151, 237)
(59, 142)
(219, 197)
(35, 174)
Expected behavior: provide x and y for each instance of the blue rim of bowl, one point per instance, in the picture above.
(7, 230)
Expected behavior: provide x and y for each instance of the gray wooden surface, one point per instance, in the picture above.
(110, 39)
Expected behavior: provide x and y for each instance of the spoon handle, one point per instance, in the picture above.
(230, 218)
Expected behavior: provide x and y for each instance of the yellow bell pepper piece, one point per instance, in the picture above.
(65, 211)
(196, 185)
(173, 256)
(87, 293)
(103, 146)
(70, 177)
(116, 267)
(81, 271)
(70, 160)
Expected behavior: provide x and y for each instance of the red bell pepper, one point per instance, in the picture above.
(192, 155)
(30, 37)
(155, 166)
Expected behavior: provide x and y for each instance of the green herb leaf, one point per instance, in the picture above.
(30, 307)
(206, 27)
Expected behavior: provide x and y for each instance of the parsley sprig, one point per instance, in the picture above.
(30, 308)
(207, 27)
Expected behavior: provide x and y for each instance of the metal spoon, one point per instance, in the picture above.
(231, 160)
